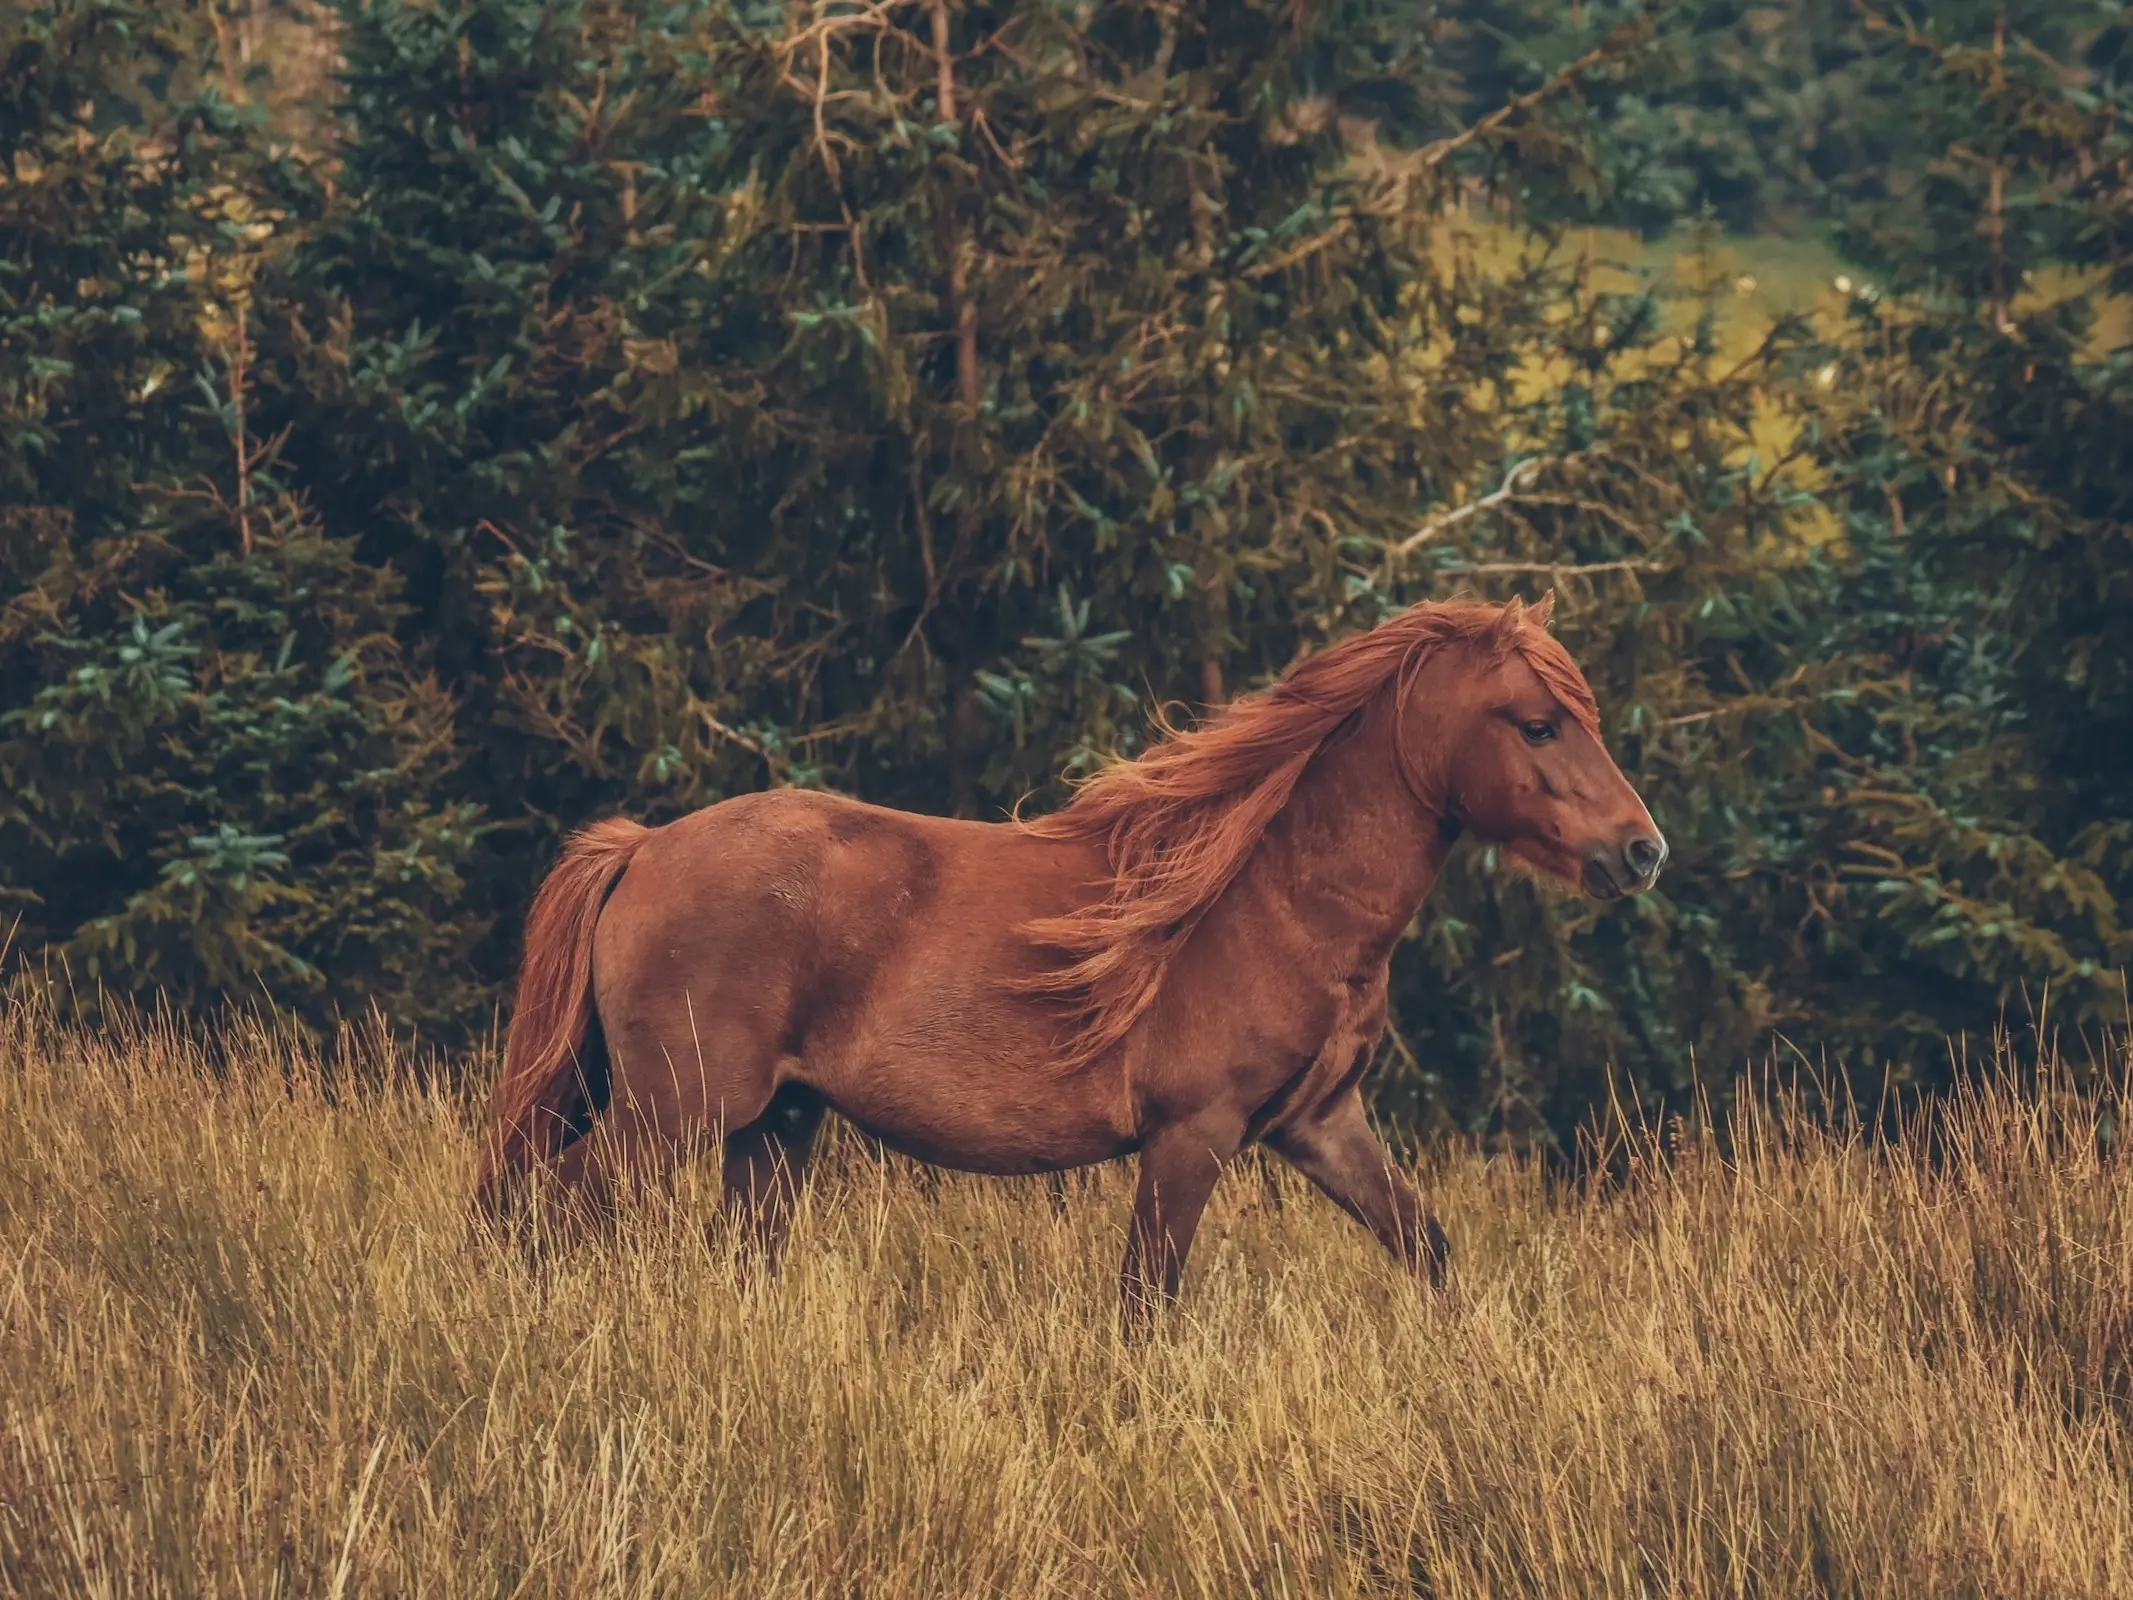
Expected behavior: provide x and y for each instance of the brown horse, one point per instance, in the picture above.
(1190, 957)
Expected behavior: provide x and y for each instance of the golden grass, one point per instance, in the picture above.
(247, 1347)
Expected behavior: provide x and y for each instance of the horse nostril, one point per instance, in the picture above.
(1644, 855)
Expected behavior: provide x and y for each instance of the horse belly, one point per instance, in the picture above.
(949, 1090)
(975, 1114)
(924, 1042)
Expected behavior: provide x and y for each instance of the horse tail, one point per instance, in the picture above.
(543, 1095)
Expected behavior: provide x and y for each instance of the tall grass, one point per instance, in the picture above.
(248, 1347)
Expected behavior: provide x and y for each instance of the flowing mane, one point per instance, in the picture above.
(1181, 820)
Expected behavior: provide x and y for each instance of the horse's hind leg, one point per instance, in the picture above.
(665, 1104)
(765, 1163)
(631, 1143)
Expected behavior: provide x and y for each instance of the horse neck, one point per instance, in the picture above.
(1354, 853)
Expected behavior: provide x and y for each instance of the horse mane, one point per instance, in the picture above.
(1181, 820)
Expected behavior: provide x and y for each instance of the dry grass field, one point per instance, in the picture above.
(247, 1347)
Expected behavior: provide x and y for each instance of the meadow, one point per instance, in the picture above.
(248, 1346)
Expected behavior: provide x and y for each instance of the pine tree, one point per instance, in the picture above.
(1976, 446)
(904, 400)
(215, 772)
(636, 408)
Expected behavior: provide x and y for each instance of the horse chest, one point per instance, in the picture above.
(1343, 1053)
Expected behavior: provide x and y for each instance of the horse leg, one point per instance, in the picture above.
(765, 1162)
(662, 1110)
(1179, 1166)
(1350, 1165)
(629, 1143)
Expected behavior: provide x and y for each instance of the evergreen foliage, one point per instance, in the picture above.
(635, 406)
(1981, 463)
(1760, 116)
(216, 770)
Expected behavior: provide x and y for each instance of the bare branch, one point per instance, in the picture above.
(962, 310)
(945, 62)
(731, 735)
(1508, 490)
(1556, 569)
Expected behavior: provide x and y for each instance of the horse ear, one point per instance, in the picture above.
(1510, 622)
(1544, 613)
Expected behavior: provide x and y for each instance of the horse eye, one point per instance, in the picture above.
(1537, 732)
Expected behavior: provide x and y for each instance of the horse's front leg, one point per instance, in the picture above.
(1179, 1166)
(1336, 1149)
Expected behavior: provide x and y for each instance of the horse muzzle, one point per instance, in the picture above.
(1615, 871)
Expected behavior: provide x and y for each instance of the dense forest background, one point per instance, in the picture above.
(429, 425)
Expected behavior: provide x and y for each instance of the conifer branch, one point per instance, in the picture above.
(1405, 170)
(1436, 154)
